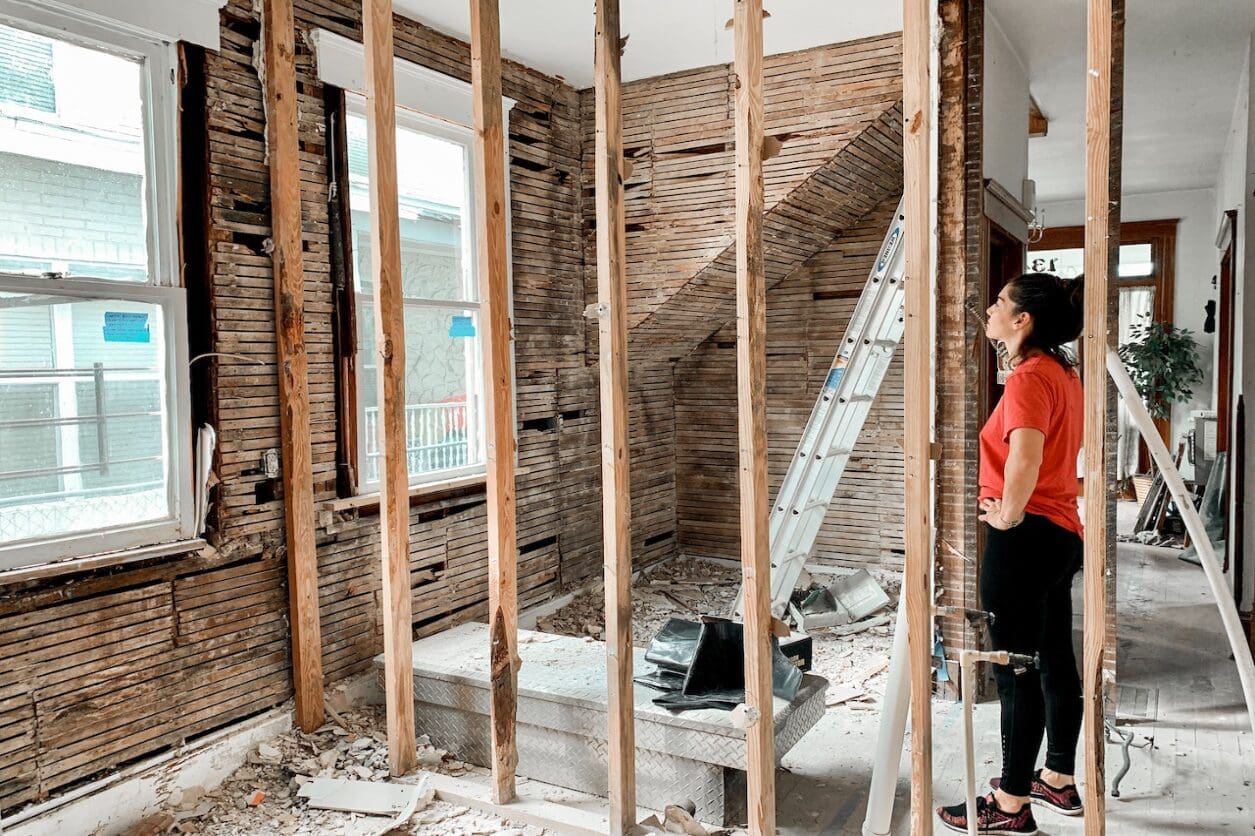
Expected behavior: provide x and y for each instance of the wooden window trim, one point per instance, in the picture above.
(344, 305)
(1162, 237)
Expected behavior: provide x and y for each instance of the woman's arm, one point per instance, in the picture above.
(1019, 477)
(1020, 473)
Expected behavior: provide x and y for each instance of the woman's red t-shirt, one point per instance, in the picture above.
(1040, 394)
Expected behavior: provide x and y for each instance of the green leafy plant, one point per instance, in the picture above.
(1163, 362)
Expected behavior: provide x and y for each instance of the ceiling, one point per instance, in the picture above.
(1183, 59)
(556, 36)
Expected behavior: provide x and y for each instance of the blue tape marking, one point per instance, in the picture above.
(126, 327)
(834, 378)
(462, 326)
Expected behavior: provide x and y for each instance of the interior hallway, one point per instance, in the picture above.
(1198, 778)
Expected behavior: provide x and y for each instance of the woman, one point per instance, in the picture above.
(1028, 499)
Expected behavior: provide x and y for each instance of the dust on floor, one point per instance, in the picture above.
(853, 663)
(260, 798)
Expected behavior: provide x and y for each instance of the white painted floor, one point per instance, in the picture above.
(1198, 778)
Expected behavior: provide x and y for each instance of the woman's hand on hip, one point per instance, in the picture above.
(992, 514)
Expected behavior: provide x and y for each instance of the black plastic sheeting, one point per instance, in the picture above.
(702, 664)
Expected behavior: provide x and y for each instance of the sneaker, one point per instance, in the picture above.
(989, 819)
(1066, 801)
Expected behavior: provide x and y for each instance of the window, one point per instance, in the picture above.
(443, 342)
(94, 447)
(443, 347)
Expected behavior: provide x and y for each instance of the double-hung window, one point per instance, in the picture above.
(94, 450)
(444, 380)
(444, 425)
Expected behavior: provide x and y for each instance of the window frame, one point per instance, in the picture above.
(159, 97)
(356, 105)
(426, 100)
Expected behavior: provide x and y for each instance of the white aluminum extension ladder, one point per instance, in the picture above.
(868, 346)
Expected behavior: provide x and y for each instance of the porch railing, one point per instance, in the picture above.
(435, 438)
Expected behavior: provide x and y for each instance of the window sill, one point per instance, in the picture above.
(368, 503)
(40, 571)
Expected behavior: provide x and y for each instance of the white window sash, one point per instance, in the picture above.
(433, 103)
(177, 445)
(159, 94)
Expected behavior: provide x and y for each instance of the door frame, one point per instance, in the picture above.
(1162, 237)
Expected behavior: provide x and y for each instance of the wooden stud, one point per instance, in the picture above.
(283, 149)
(394, 481)
(917, 113)
(1100, 249)
(490, 223)
(616, 513)
(751, 375)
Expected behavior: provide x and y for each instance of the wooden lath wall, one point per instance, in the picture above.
(806, 315)
(829, 193)
(823, 105)
(99, 669)
(106, 667)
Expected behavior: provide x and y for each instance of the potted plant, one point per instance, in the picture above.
(1163, 362)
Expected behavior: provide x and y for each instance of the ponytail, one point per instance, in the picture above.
(1057, 306)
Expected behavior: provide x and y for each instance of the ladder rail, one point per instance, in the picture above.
(841, 386)
(828, 440)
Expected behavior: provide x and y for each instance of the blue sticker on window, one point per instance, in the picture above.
(126, 327)
(462, 326)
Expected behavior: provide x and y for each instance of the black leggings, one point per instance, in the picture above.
(1026, 582)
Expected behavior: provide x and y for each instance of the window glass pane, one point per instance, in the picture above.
(1136, 261)
(443, 414)
(434, 214)
(72, 160)
(1067, 263)
(82, 415)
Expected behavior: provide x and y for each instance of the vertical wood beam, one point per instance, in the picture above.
(917, 111)
(490, 224)
(394, 481)
(283, 149)
(751, 375)
(616, 506)
(1101, 246)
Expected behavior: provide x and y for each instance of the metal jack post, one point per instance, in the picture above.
(967, 663)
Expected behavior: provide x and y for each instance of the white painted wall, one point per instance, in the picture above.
(1196, 262)
(1006, 110)
(1234, 182)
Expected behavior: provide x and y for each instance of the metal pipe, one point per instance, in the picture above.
(896, 706)
(102, 432)
(968, 688)
(1193, 524)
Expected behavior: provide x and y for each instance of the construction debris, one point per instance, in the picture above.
(323, 782)
(853, 654)
(366, 797)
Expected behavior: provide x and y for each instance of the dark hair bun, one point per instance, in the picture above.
(1057, 306)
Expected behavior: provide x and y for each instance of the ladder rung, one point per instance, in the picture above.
(858, 398)
(813, 504)
(840, 451)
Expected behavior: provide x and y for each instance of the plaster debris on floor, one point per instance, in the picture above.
(853, 658)
(261, 797)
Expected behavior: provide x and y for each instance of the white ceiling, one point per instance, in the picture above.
(556, 36)
(1183, 59)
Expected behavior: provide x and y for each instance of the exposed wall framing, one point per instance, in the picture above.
(1103, 137)
(171, 648)
(960, 338)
